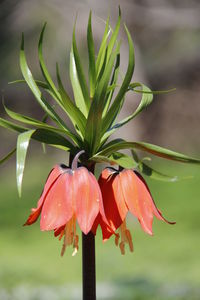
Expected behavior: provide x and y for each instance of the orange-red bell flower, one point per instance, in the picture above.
(124, 191)
(69, 195)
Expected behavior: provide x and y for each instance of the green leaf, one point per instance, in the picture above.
(118, 158)
(133, 85)
(37, 93)
(80, 73)
(102, 50)
(114, 36)
(146, 100)
(78, 95)
(73, 112)
(112, 84)
(41, 84)
(117, 104)
(44, 68)
(22, 146)
(42, 135)
(37, 123)
(91, 52)
(9, 125)
(7, 156)
(120, 144)
(153, 174)
(94, 121)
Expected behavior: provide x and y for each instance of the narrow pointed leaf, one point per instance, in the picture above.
(43, 66)
(120, 144)
(152, 173)
(37, 123)
(102, 49)
(146, 100)
(36, 91)
(117, 104)
(22, 147)
(94, 121)
(11, 126)
(78, 95)
(114, 36)
(7, 156)
(112, 84)
(91, 52)
(80, 73)
(73, 112)
(134, 85)
(117, 158)
(42, 135)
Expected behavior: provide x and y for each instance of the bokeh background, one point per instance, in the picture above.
(166, 35)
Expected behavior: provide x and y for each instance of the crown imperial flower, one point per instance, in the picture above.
(69, 195)
(124, 191)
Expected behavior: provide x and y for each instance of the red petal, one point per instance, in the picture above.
(113, 202)
(156, 211)
(51, 179)
(58, 208)
(138, 199)
(87, 196)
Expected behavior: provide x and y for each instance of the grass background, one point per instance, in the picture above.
(165, 266)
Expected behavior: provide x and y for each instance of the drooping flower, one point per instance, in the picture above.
(124, 191)
(69, 195)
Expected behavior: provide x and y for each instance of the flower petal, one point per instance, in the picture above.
(51, 179)
(87, 196)
(58, 207)
(156, 211)
(114, 206)
(138, 199)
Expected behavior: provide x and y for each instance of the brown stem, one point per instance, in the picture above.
(88, 263)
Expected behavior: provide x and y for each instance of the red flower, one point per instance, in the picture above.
(122, 192)
(69, 195)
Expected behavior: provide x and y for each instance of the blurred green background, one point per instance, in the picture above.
(167, 40)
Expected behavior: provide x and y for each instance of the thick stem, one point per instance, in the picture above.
(88, 262)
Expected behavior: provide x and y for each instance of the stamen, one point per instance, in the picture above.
(129, 238)
(122, 248)
(125, 238)
(70, 233)
(117, 239)
(75, 245)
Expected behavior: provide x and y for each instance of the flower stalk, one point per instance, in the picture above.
(88, 263)
(88, 266)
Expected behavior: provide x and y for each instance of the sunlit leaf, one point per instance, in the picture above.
(42, 135)
(78, 95)
(37, 123)
(120, 144)
(117, 158)
(146, 100)
(80, 73)
(102, 50)
(94, 121)
(91, 52)
(152, 173)
(36, 91)
(116, 105)
(114, 36)
(72, 111)
(22, 146)
(43, 66)
(113, 85)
